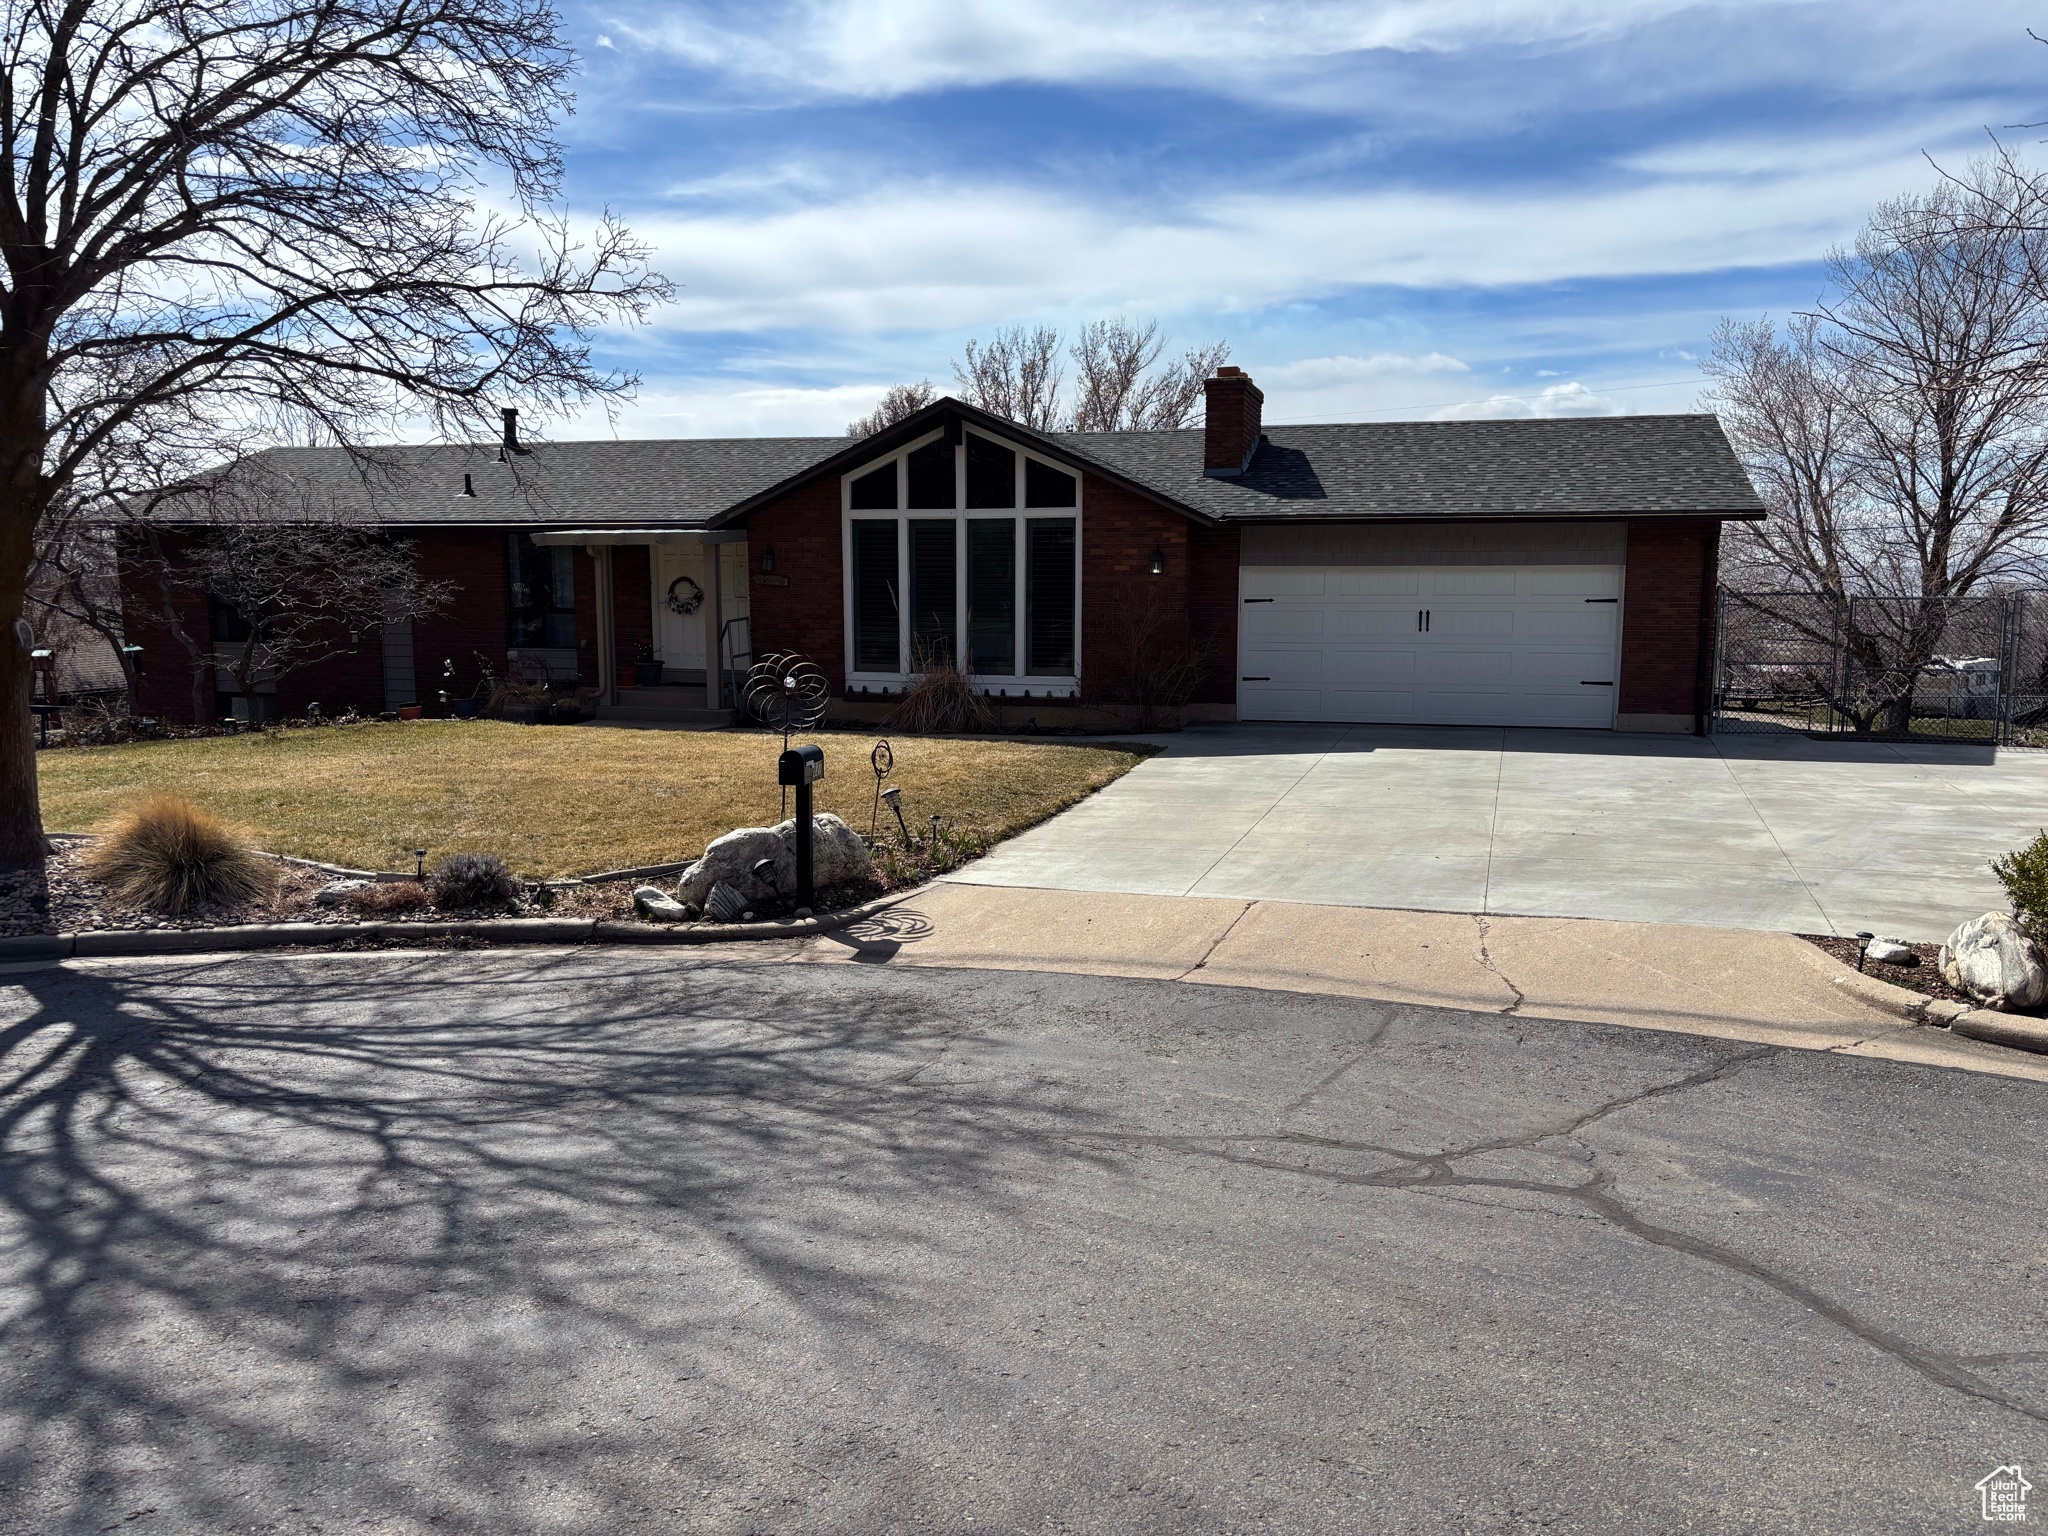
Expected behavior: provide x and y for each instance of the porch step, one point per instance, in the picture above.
(667, 705)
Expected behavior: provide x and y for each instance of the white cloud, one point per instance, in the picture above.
(604, 41)
(928, 257)
(1572, 399)
(879, 48)
(725, 407)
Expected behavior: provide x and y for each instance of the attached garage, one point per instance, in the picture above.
(1431, 645)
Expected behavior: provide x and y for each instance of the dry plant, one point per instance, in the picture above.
(1151, 670)
(167, 855)
(387, 898)
(942, 702)
(472, 880)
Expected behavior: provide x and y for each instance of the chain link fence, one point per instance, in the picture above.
(1968, 669)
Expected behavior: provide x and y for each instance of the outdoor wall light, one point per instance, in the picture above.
(1863, 939)
(1158, 560)
(768, 561)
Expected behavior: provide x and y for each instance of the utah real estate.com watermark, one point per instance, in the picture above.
(2004, 1495)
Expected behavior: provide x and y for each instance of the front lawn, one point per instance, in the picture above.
(552, 800)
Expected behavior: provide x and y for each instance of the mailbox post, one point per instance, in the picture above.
(799, 768)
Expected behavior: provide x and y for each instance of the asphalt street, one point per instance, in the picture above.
(597, 1242)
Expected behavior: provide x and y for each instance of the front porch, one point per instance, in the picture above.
(697, 608)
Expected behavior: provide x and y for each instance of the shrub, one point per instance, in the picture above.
(167, 855)
(388, 897)
(471, 880)
(2024, 874)
(942, 700)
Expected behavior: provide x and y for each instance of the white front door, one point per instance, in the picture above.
(1431, 645)
(679, 583)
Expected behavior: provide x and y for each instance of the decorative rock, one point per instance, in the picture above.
(838, 855)
(1891, 952)
(1990, 961)
(335, 892)
(656, 905)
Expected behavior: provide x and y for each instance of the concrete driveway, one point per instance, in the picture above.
(1736, 833)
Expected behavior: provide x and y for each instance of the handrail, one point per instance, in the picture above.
(734, 652)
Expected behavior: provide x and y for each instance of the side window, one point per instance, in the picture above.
(929, 473)
(540, 593)
(875, 491)
(1045, 486)
(1049, 596)
(992, 595)
(934, 583)
(991, 474)
(876, 642)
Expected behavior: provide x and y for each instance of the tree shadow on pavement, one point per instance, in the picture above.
(394, 1239)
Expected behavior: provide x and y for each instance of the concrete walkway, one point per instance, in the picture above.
(1770, 988)
(1778, 834)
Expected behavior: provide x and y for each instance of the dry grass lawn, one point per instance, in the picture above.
(550, 800)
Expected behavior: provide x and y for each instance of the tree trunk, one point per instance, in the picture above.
(22, 843)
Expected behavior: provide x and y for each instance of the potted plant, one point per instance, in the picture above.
(646, 670)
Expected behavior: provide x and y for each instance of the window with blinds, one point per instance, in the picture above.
(952, 562)
(876, 642)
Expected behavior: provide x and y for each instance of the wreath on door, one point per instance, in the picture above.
(684, 595)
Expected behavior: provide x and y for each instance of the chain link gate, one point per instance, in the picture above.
(1967, 669)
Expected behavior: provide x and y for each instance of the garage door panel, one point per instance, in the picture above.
(1363, 623)
(1440, 668)
(1570, 581)
(1281, 581)
(1472, 623)
(1503, 645)
(1473, 581)
(1284, 623)
(1595, 626)
(1360, 582)
(1369, 666)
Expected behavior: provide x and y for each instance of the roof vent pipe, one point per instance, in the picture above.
(468, 486)
(510, 445)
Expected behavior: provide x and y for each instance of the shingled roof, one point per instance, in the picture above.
(1600, 466)
(1610, 466)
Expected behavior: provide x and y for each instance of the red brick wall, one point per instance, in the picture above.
(1120, 597)
(165, 688)
(1669, 591)
(1213, 609)
(472, 624)
(632, 602)
(801, 606)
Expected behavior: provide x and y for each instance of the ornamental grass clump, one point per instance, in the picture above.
(472, 880)
(167, 855)
(2024, 874)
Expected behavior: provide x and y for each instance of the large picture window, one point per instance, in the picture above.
(540, 593)
(951, 560)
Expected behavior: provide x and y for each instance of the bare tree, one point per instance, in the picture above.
(1898, 432)
(74, 593)
(1118, 391)
(898, 401)
(268, 215)
(292, 593)
(1016, 376)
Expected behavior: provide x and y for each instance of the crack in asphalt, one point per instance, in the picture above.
(1486, 960)
(1434, 1173)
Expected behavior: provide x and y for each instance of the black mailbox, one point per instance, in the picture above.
(800, 766)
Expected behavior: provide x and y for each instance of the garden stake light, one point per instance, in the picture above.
(1862, 946)
(421, 855)
(894, 795)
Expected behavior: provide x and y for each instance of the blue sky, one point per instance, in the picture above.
(1389, 208)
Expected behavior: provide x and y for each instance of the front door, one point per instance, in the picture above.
(680, 593)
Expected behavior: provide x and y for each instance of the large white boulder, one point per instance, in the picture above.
(838, 855)
(1990, 961)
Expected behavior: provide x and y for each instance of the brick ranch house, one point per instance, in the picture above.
(1541, 573)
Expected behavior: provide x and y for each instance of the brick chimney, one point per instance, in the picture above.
(1230, 428)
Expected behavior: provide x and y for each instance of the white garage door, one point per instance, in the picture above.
(1431, 645)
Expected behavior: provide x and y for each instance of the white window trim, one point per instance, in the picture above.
(1015, 685)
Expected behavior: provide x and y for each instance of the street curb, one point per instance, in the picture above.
(503, 930)
(2021, 1033)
